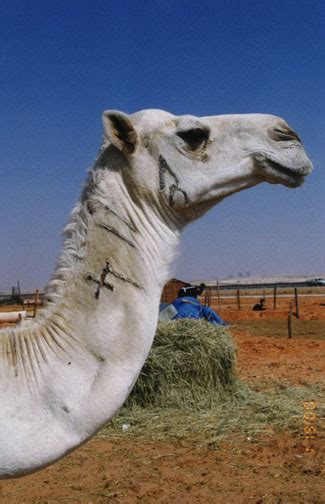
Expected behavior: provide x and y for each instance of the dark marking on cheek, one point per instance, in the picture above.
(162, 169)
(173, 188)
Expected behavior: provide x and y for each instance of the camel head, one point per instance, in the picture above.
(188, 164)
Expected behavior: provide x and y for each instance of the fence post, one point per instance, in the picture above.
(274, 298)
(297, 303)
(238, 300)
(290, 329)
(207, 296)
(219, 301)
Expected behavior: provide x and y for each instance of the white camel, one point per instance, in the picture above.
(66, 374)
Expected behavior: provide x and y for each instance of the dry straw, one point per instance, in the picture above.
(188, 390)
(191, 365)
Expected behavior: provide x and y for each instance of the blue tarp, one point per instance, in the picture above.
(190, 307)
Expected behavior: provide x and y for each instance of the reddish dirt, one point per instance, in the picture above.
(261, 358)
(278, 471)
(294, 362)
(275, 470)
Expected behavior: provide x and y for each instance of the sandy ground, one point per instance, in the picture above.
(276, 469)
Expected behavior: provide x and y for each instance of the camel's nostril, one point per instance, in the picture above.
(284, 135)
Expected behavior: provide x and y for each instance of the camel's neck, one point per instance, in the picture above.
(115, 261)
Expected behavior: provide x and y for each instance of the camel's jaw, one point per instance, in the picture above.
(277, 173)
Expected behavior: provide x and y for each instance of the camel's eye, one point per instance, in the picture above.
(194, 137)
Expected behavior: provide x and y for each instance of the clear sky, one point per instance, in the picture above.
(63, 62)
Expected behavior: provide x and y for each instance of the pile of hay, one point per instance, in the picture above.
(191, 369)
(191, 365)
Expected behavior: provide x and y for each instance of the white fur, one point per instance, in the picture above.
(65, 375)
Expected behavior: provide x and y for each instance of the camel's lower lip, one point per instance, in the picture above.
(285, 175)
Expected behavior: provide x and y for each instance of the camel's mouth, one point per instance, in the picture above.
(287, 176)
(276, 173)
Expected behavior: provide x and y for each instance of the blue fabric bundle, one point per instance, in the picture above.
(190, 307)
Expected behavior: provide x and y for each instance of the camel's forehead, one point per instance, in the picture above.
(155, 119)
(150, 119)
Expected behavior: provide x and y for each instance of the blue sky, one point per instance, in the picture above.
(63, 62)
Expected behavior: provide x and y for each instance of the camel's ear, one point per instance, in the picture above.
(119, 131)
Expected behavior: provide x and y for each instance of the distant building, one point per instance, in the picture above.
(170, 291)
